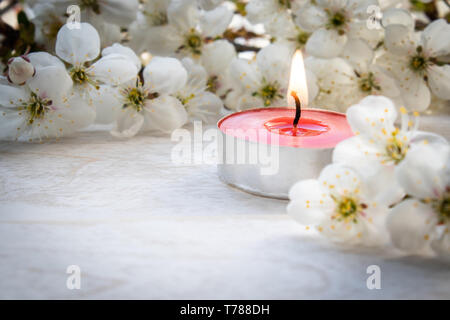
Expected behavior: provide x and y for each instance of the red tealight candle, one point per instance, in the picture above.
(302, 138)
(317, 129)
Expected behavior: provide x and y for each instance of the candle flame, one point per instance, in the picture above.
(297, 81)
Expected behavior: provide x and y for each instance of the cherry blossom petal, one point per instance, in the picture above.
(410, 224)
(308, 206)
(359, 29)
(372, 115)
(325, 43)
(435, 38)
(441, 245)
(415, 92)
(331, 71)
(165, 75)
(12, 96)
(313, 88)
(128, 124)
(11, 123)
(109, 33)
(75, 114)
(248, 101)
(209, 4)
(281, 25)
(206, 106)
(119, 12)
(117, 48)
(197, 75)
(160, 40)
(393, 64)
(382, 184)
(345, 232)
(340, 180)
(311, 17)
(399, 40)
(332, 4)
(273, 62)
(422, 173)
(44, 59)
(398, 16)
(53, 83)
(107, 104)
(439, 81)
(358, 53)
(356, 151)
(213, 23)
(232, 99)
(217, 56)
(113, 69)
(422, 137)
(245, 74)
(183, 14)
(388, 85)
(77, 46)
(260, 11)
(164, 114)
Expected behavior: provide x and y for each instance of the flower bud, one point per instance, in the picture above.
(20, 70)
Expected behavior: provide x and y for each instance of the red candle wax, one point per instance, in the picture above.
(316, 129)
(306, 127)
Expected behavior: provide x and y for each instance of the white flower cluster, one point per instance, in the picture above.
(46, 96)
(355, 49)
(384, 179)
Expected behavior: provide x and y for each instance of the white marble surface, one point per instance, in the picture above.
(140, 227)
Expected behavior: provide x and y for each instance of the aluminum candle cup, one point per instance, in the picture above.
(261, 152)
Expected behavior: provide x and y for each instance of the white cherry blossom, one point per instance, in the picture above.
(216, 59)
(151, 105)
(333, 22)
(80, 48)
(418, 62)
(108, 100)
(346, 81)
(43, 108)
(149, 29)
(275, 15)
(171, 93)
(200, 104)
(293, 36)
(423, 218)
(379, 146)
(264, 80)
(189, 29)
(339, 205)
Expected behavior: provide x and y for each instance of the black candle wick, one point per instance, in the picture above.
(298, 108)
